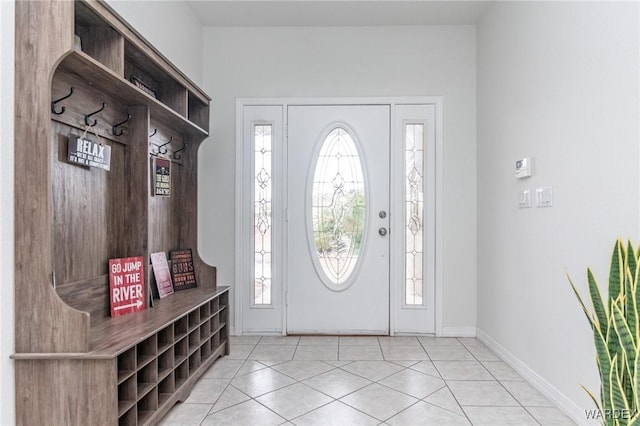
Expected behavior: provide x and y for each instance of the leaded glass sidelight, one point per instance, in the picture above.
(262, 215)
(338, 206)
(414, 210)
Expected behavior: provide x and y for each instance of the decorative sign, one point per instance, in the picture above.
(162, 274)
(182, 270)
(140, 85)
(88, 153)
(126, 285)
(162, 177)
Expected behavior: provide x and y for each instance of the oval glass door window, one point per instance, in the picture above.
(338, 208)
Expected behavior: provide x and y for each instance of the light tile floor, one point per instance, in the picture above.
(334, 381)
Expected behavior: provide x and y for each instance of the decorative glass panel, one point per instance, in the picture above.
(262, 215)
(338, 206)
(414, 219)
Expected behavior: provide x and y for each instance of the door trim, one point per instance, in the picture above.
(241, 251)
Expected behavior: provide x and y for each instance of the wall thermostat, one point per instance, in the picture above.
(523, 168)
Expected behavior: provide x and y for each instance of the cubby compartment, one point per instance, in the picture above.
(166, 388)
(194, 361)
(205, 330)
(98, 39)
(165, 339)
(194, 319)
(181, 373)
(147, 76)
(181, 350)
(127, 395)
(198, 112)
(181, 328)
(147, 406)
(147, 378)
(205, 349)
(147, 351)
(126, 364)
(165, 364)
(205, 312)
(129, 418)
(194, 340)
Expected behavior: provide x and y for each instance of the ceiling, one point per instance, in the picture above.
(321, 13)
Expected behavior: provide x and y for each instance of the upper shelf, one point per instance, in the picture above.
(94, 73)
(118, 58)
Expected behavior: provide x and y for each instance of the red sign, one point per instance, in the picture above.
(126, 285)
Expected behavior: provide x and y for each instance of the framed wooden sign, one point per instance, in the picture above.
(126, 285)
(88, 153)
(161, 177)
(182, 270)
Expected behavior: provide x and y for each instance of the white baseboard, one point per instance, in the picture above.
(458, 332)
(576, 413)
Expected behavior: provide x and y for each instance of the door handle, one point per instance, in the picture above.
(382, 231)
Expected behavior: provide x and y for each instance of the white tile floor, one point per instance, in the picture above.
(334, 381)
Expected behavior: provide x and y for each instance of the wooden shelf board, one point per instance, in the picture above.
(124, 406)
(115, 335)
(144, 388)
(87, 69)
(123, 375)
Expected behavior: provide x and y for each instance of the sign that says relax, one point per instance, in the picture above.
(88, 153)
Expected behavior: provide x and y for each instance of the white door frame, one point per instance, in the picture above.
(242, 242)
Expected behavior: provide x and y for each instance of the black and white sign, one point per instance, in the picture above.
(89, 153)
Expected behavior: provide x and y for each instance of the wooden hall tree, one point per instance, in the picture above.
(74, 363)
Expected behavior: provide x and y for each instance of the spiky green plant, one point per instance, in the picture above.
(616, 332)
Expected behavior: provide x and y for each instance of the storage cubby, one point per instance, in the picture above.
(198, 111)
(127, 395)
(194, 319)
(165, 339)
(165, 364)
(117, 90)
(126, 364)
(98, 39)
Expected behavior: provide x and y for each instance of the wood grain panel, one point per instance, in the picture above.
(86, 210)
(85, 100)
(90, 295)
(66, 392)
(44, 32)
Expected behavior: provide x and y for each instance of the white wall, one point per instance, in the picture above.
(172, 27)
(7, 390)
(346, 61)
(558, 82)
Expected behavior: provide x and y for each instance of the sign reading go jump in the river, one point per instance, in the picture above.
(126, 285)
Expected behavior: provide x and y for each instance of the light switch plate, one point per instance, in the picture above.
(524, 201)
(544, 196)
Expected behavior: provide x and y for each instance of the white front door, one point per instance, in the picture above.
(338, 159)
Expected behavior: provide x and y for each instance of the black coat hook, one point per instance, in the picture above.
(115, 130)
(86, 117)
(154, 132)
(161, 148)
(53, 104)
(176, 156)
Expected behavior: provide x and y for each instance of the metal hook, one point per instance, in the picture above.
(86, 117)
(115, 126)
(177, 157)
(154, 132)
(162, 150)
(53, 104)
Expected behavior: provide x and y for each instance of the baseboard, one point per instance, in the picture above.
(458, 332)
(576, 413)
